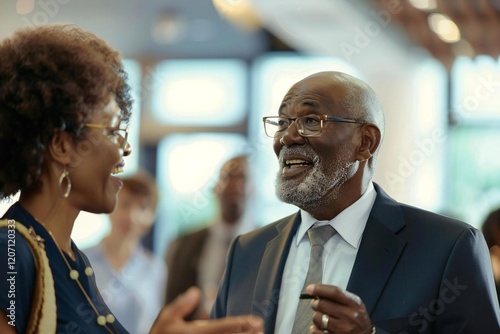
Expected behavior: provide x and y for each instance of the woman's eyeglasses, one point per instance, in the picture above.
(113, 133)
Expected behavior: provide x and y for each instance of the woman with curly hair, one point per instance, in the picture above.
(64, 108)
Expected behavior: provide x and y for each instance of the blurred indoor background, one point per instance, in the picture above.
(205, 72)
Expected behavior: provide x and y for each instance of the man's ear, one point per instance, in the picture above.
(61, 148)
(370, 141)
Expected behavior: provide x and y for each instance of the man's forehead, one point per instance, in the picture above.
(322, 81)
(314, 94)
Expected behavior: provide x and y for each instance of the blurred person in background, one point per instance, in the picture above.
(491, 232)
(64, 109)
(198, 258)
(130, 278)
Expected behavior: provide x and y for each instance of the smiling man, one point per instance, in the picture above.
(375, 266)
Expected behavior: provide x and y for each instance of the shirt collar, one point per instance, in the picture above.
(349, 224)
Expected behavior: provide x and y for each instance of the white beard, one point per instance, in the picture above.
(309, 193)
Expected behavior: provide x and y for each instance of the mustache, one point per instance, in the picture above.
(305, 151)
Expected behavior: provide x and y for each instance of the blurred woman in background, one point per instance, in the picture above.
(131, 279)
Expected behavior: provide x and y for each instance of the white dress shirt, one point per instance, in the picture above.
(339, 255)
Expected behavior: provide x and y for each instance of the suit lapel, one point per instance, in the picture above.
(379, 250)
(268, 284)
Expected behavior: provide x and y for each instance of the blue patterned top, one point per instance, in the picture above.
(74, 312)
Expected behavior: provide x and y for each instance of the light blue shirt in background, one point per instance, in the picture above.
(135, 294)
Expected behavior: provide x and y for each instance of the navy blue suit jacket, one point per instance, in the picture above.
(416, 272)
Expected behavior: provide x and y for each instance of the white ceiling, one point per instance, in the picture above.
(325, 27)
(346, 29)
(127, 25)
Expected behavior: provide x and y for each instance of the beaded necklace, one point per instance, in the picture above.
(102, 320)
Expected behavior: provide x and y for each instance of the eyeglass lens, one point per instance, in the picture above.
(306, 125)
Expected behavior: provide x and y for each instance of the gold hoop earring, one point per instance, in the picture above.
(64, 176)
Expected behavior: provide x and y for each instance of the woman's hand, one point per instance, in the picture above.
(171, 319)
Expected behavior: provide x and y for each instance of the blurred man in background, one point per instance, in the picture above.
(198, 258)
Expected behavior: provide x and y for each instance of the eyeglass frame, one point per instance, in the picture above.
(322, 118)
(112, 129)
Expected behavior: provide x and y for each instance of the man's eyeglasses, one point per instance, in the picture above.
(307, 126)
(113, 133)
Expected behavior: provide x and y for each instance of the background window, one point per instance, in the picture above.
(474, 180)
(476, 89)
(200, 92)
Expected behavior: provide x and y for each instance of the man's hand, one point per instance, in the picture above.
(170, 320)
(338, 311)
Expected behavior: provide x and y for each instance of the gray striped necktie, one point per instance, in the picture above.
(318, 236)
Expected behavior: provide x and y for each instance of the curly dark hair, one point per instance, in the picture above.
(51, 79)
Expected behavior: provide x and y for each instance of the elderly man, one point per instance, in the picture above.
(360, 261)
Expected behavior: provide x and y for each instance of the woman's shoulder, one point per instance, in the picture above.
(20, 259)
(15, 247)
(17, 276)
